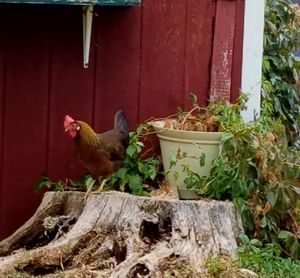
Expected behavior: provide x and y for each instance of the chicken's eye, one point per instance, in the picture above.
(78, 127)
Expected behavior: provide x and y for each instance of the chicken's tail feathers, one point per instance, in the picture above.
(121, 121)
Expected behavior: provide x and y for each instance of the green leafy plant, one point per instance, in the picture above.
(137, 172)
(211, 117)
(81, 184)
(18, 274)
(280, 81)
(259, 172)
(215, 266)
(265, 260)
(256, 169)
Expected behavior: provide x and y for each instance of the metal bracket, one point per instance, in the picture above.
(87, 20)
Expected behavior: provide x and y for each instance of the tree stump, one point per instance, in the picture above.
(115, 234)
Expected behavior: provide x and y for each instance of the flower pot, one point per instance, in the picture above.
(191, 145)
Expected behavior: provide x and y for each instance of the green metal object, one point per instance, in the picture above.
(78, 2)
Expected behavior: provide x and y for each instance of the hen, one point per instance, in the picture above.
(101, 153)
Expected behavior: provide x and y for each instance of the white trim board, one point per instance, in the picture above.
(253, 56)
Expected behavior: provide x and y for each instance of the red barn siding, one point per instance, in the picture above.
(162, 46)
(71, 87)
(24, 105)
(198, 48)
(2, 101)
(144, 60)
(236, 73)
(223, 49)
(118, 63)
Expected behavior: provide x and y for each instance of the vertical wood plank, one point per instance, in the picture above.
(2, 95)
(236, 75)
(223, 49)
(118, 64)
(199, 37)
(162, 72)
(70, 89)
(24, 137)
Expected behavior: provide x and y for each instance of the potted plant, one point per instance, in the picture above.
(190, 142)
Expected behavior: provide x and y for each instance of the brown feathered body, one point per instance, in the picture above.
(101, 153)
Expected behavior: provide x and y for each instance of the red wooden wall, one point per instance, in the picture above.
(144, 60)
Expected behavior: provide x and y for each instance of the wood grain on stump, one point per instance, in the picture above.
(115, 234)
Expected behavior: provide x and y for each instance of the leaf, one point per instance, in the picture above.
(140, 129)
(135, 183)
(271, 197)
(60, 186)
(153, 174)
(175, 175)
(296, 75)
(141, 167)
(255, 249)
(264, 222)
(185, 167)
(284, 234)
(255, 242)
(266, 63)
(172, 160)
(43, 181)
(239, 202)
(131, 150)
(296, 190)
(202, 159)
(122, 173)
(226, 137)
(141, 144)
(295, 249)
(193, 99)
(244, 238)
(89, 181)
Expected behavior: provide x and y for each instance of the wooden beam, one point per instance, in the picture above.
(236, 73)
(77, 2)
(222, 56)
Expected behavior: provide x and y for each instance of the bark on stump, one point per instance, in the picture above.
(115, 234)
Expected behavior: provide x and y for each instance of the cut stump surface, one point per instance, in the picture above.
(115, 234)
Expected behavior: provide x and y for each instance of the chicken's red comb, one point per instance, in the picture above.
(68, 120)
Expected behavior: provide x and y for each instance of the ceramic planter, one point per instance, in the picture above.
(192, 144)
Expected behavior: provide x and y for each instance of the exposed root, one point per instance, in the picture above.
(32, 233)
(147, 265)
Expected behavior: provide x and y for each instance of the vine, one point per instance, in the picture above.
(280, 80)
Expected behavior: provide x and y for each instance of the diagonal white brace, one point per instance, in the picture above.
(87, 20)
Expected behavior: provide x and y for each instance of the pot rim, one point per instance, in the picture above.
(159, 128)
